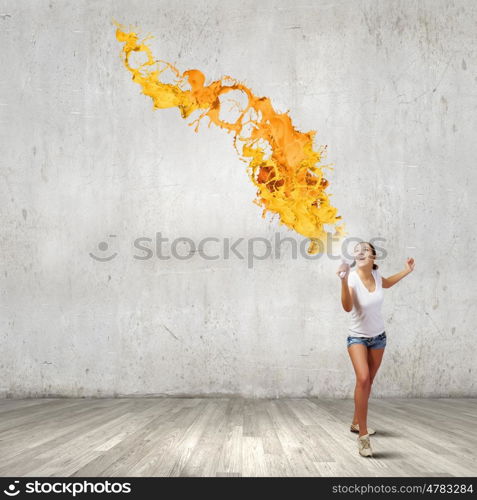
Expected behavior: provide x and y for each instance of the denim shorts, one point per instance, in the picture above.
(377, 342)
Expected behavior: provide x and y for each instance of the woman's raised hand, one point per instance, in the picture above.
(409, 265)
(343, 270)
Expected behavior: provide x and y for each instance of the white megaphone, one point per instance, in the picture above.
(344, 261)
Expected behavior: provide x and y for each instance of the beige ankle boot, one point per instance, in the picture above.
(364, 446)
(355, 428)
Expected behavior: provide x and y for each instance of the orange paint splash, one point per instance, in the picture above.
(282, 163)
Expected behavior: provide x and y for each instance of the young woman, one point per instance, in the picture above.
(362, 295)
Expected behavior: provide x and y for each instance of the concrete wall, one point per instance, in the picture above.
(391, 88)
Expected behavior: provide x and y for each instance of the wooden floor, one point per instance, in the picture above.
(234, 437)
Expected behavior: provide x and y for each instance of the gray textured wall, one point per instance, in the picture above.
(391, 88)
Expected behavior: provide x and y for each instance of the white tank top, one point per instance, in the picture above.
(366, 317)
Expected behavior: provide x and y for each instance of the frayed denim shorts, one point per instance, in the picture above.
(377, 342)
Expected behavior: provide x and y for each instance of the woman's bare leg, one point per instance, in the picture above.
(375, 357)
(359, 357)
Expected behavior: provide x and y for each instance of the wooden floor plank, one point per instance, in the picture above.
(234, 437)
